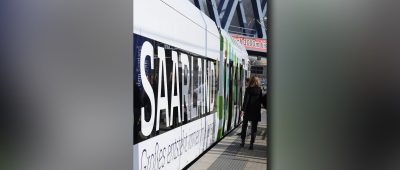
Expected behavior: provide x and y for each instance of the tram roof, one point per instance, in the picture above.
(177, 23)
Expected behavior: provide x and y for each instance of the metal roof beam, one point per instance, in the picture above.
(260, 26)
(222, 5)
(212, 9)
(199, 4)
(264, 7)
(263, 4)
(242, 16)
(228, 14)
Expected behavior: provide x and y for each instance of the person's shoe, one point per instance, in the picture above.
(242, 144)
(251, 147)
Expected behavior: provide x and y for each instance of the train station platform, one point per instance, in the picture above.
(227, 154)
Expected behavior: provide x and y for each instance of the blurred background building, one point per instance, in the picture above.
(246, 21)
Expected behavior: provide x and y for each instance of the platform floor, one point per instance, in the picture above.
(227, 154)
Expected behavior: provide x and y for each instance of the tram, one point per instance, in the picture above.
(189, 79)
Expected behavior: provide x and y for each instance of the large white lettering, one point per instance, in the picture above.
(147, 50)
(162, 102)
(194, 107)
(199, 87)
(205, 87)
(190, 85)
(175, 102)
(212, 85)
(185, 85)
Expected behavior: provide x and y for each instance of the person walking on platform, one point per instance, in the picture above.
(251, 109)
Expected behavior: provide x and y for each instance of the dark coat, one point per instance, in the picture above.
(264, 100)
(252, 104)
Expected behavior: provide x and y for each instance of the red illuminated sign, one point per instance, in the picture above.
(253, 44)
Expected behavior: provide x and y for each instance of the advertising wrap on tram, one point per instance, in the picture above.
(188, 78)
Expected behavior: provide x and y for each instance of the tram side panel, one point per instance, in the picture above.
(174, 121)
(175, 84)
